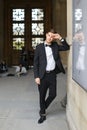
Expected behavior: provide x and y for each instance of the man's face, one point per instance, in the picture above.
(49, 37)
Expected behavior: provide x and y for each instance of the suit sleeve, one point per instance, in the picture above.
(64, 45)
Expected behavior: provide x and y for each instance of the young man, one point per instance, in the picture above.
(21, 70)
(47, 64)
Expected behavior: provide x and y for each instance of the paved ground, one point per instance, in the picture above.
(19, 105)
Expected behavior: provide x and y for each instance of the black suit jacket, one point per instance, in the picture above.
(40, 61)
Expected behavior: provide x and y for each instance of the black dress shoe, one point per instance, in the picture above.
(42, 119)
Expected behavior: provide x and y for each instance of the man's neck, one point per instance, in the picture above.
(48, 43)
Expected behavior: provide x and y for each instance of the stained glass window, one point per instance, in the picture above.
(37, 14)
(37, 26)
(18, 14)
(18, 43)
(18, 28)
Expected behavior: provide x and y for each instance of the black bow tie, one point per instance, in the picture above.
(48, 45)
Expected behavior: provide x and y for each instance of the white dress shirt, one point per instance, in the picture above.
(50, 59)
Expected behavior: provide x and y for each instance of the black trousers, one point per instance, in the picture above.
(47, 83)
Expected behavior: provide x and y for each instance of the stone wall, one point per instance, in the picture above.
(77, 96)
(60, 23)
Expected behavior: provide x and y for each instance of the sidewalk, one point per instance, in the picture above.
(19, 105)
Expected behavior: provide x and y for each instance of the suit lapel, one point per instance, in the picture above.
(43, 51)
